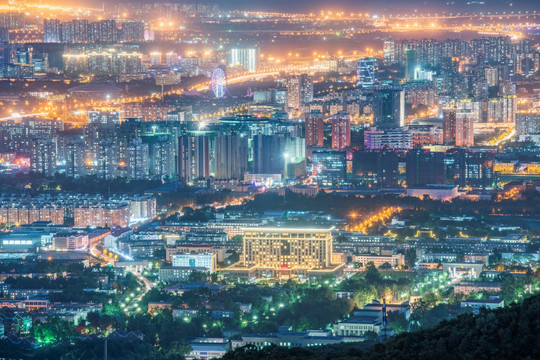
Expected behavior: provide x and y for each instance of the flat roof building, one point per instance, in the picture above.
(287, 252)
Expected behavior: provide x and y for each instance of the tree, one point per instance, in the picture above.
(365, 295)
(197, 276)
(372, 275)
(410, 258)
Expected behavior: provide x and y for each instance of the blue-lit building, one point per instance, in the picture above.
(368, 69)
(329, 167)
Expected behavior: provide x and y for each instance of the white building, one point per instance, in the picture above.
(201, 260)
(245, 58)
(493, 303)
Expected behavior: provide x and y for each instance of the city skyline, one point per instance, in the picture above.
(245, 179)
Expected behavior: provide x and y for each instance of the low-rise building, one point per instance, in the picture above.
(394, 260)
(493, 302)
(178, 273)
(204, 260)
(358, 326)
(70, 241)
(468, 287)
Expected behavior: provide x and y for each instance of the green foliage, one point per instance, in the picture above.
(53, 330)
(315, 309)
(508, 333)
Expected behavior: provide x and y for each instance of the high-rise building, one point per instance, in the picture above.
(4, 35)
(464, 128)
(75, 32)
(133, 31)
(138, 160)
(195, 157)
(464, 167)
(341, 131)
(329, 167)
(104, 118)
(424, 167)
(449, 124)
(231, 156)
(492, 76)
(106, 162)
(162, 157)
(104, 31)
(375, 139)
(389, 108)
(299, 90)
(376, 167)
(527, 123)
(502, 110)
(411, 63)
(458, 124)
(52, 31)
(269, 154)
(246, 58)
(75, 160)
(368, 72)
(314, 129)
(389, 51)
(43, 156)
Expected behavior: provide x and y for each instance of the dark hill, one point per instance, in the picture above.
(509, 333)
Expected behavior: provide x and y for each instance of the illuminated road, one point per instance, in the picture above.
(132, 301)
(381, 217)
(506, 136)
(18, 116)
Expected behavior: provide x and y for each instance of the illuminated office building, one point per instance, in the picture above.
(287, 253)
(368, 72)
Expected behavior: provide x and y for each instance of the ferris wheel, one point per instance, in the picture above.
(219, 82)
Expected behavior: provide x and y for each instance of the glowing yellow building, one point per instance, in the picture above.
(287, 253)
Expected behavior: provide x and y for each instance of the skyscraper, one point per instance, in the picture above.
(75, 32)
(299, 90)
(464, 128)
(389, 108)
(367, 70)
(43, 156)
(458, 123)
(75, 164)
(269, 154)
(106, 163)
(231, 159)
(133, 31)
(449, 124)
(138, 160)
(411, 63)
(424, 167)
(194, 157)
(389, 52)
(247, 58)
(162, 157)
(104, 31)
(52, 31)
(341, 131)
(314, 129)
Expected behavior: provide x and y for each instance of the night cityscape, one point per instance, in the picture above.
(244, 180)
